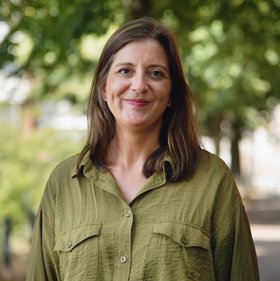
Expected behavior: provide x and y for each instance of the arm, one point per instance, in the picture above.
(233, 248)
(43, 262)
(234, 253)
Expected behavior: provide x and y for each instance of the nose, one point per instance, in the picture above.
(139, 83)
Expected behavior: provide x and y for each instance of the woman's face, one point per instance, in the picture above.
(138, 86)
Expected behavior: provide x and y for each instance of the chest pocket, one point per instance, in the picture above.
(178, 252)
(68, 241)
(76, 248)
(184, 235)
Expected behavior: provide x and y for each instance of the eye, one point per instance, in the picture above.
(124, 71)
(156, 74)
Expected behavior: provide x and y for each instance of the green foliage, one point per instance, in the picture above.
(46, 38)
(230, 49)
(25, 165)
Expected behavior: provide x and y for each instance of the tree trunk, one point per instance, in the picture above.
(235, 154)
(217, 140)
(215, 131)
(7, 236)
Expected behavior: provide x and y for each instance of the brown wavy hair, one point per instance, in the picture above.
(178, 135)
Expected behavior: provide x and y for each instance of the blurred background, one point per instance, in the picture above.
(48, 51)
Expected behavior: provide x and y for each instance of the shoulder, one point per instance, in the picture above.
(210, 163)
(220, 188)
(67, 166)
(60, 180)
(64, 170)
(215, 176)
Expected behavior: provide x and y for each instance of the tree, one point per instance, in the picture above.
(230, 51)
(233, 60)
(45, 39)
(25, 166)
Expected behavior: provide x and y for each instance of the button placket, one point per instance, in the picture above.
(124, 245)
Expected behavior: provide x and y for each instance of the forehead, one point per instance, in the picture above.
(148, 50)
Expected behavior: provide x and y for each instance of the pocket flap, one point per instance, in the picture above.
(71, 239)
(185, 235)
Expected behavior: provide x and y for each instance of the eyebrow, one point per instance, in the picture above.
(151, 65)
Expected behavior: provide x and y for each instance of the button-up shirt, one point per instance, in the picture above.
(195, 229)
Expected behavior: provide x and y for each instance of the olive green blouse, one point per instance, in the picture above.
(191, 230)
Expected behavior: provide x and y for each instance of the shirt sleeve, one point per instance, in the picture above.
(43, 262)
(234, 254)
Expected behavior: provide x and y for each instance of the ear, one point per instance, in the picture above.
(104, 91)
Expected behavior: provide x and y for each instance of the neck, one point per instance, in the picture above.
(129, 149)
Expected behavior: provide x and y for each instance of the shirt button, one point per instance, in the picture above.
(128, 214)
(122, 259)
(69, 244)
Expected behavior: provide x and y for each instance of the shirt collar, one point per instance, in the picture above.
(87, 168)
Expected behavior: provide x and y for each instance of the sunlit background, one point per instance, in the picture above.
(48, 52)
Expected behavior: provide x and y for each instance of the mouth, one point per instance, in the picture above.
(138, 102)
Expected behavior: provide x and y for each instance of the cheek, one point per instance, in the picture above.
(166, 93)
(116, 90)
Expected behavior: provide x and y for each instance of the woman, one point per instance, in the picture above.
(142, 201)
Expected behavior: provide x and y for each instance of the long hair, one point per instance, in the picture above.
(178, 135)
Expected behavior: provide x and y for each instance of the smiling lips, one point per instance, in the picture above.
(138, 102)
